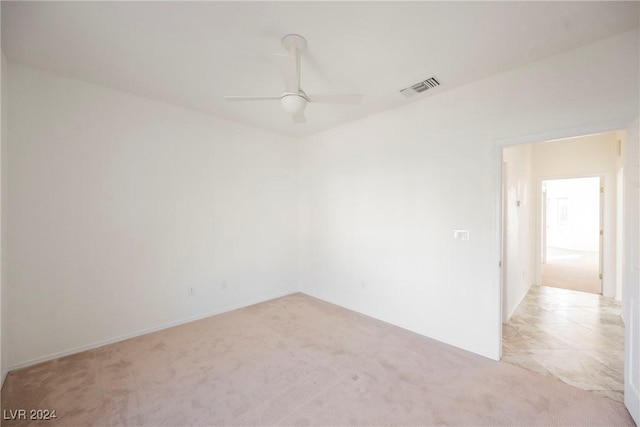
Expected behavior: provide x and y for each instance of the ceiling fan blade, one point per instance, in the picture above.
(290, 73)
(251, 98)
(350, 99)
(299, 118)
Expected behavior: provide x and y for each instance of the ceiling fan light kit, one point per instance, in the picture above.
(293, 104)
(294, 100)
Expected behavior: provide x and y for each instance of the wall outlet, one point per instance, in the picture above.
(224, 285)
(190, 290)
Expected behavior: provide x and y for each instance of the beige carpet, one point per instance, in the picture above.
(296, 361)
(575, 270)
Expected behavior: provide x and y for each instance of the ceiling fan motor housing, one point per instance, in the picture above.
(294, 41)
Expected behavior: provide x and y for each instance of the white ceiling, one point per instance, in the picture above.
(194, 53)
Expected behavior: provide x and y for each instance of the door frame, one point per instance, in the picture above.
(631, 282)
(498, 145)
(607, 227)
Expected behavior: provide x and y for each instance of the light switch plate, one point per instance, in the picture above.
(461, 234)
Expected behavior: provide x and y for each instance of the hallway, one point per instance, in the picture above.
(573, 336)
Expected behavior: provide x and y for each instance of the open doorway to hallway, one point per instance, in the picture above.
(573, 330)
(571, 234)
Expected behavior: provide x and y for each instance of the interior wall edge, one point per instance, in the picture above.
(4, 351)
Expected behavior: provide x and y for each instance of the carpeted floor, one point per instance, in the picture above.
(296, 361)
(575, 270)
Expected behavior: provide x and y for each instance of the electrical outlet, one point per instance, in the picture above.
(224, 285)
(190, 291)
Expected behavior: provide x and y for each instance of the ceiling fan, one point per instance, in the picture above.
(294, 100)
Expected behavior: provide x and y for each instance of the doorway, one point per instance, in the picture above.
(556, 198)
(571, 239)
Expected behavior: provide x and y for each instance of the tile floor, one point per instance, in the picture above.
(575, 337)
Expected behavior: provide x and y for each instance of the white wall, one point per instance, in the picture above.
(573, 213)
(4, 359)
(380, 196)
(518, 258)
(593, 155)
(582, 156)
(118, 204)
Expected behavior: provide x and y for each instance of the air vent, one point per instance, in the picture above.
(420, 87)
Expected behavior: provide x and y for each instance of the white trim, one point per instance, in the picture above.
(539, 217)
(631, 392)
(498, 241)
(144, 331)
(607, 250)
(564, 133)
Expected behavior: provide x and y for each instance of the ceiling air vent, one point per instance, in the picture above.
(420, 87)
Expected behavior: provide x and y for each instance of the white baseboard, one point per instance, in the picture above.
(141, 332)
